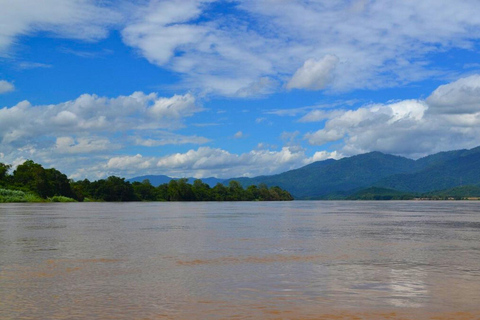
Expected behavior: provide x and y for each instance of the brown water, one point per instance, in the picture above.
(289, 260)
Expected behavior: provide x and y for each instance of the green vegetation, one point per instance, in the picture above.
(18, 196)
(394, 177)
(375, 193)
(335, 179)
(457, 193)
(61, 199)
(30, 182)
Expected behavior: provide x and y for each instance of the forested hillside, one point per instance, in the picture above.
(336, 178)
(378, 175)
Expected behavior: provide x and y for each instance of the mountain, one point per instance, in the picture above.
(365, 174)
(440, 171)
(157, 180)
(336, 178)
(374, 175)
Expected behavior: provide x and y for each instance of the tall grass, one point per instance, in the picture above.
(7, 195)
(61, 199)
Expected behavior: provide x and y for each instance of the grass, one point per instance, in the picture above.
(61, 199)
(7, 195)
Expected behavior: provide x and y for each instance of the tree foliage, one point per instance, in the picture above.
(51, 183)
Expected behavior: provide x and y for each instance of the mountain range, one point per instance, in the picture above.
(157, 180)
(339, 179)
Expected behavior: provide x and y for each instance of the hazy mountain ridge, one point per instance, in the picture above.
(337, 179)
(458, 169)
(157, 180)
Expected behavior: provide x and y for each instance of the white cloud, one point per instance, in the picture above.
(342, 45)
(6, 86)
(314, 75)
(255, 46)
(448, 119)
(129, 162)
(323, 136)
(459, 97)
(81, 133)
(323, 155)
(90, 114)
(82, 145)
(200, 163)
(206, 161)
(33, 65)
(79, 19)
(314, 116)
(238, 135)
(175, 107)
(163, 138)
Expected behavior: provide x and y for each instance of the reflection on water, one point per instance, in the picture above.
(295, 260)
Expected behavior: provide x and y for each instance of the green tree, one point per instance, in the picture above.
(113, 189)
(235, 191)
(220, 192)
(58, 184)
(185, 190)
(4, 168)
(162, 192)
(202, 191)
(32, 176)
(252, 193)
(144, 190)
(173, 193)
(263, 192)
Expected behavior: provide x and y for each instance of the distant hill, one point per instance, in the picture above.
(157, 180)
(373, 174)
(391, 175)
(323, 179)
(439, 171)
(374, 193)
(461, 191)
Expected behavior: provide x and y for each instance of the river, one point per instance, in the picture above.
(241, 260)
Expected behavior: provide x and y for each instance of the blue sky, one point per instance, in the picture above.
(233, 88)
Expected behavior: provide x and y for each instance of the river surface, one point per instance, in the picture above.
(254, 260)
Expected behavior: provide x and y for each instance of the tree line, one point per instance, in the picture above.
(47, 183)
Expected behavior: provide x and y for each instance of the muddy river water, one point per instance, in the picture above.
(255, 260)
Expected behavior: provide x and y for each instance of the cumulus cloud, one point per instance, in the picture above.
(175, 107)
(88, 128)
(448, 119)
(206, 161)
(324, 155)
(129, 162)
(314, 75)
(459, 97)
(6, 86)
(94, 114)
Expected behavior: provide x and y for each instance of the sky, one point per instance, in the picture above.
(201, 88)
